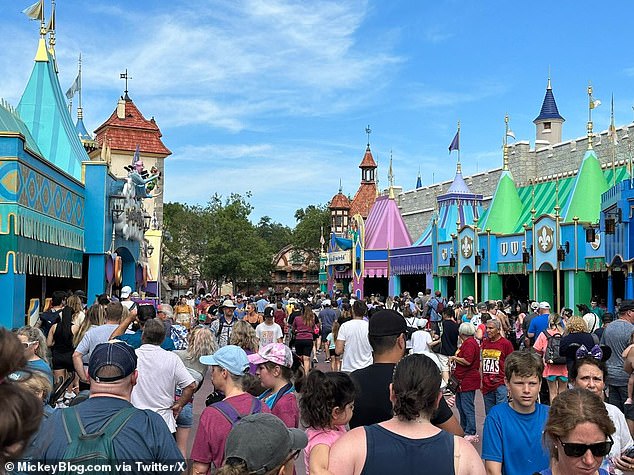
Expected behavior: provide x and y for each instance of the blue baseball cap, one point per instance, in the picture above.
(118, 356)
(231, 357)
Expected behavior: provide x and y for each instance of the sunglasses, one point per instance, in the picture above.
(600, 449)
(28, 344)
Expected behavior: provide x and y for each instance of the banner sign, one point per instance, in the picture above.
(339, 257)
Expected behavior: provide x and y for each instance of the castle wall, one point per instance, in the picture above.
(525, 164)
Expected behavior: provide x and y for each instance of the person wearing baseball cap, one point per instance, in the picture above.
(275, 369)
(143, 435)
(261, 443)
(229, 368)
(387, 334)
(223, 325)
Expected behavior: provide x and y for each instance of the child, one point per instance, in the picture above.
(326, 406)
(333, 359)
(630, 382)
(275, 370)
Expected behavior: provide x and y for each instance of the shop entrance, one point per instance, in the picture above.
(413, 284)
(375, 285)
(515, 285)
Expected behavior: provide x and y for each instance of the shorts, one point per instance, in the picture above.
(555, 378)
(629, 411)
(186, 418)
(303, 347)
(63, 361)
(444, 362)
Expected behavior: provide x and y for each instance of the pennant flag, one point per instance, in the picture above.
(419, 182)
(137, 154)
(594, 103)
(73, 89)
(455, 143)
(35, 11)
(51, 23)
(510, 134)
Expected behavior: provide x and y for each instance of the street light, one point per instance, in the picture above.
(177, 273)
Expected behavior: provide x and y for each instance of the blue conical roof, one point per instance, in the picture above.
(549, 107)
(82, 133)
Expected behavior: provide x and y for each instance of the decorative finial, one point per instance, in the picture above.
(50, 28)
(391, 178)
(340, 187)
(592, 104)
(126, 77)
(368, 131)
(506, 148)
(548, 87)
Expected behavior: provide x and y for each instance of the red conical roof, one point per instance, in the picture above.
(368, 159)
(132, 130)
(363, 199)
(340, 201)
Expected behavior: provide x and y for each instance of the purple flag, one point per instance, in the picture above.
(455, 143)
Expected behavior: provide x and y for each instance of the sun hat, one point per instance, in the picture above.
(231, 357)
(263, 442)
(277, 353)
(228, 304)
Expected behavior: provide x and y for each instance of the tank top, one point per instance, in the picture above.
(63, 333)
(388, 452)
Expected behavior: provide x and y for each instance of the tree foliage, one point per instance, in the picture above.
(219, 241)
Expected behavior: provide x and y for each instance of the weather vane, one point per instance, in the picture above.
(368, 131)
(126, 77)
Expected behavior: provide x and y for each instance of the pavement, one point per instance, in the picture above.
(207, 388)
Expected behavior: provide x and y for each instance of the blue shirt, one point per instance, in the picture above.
(145, 437)
(134, 340)
(515, 439)
(538, 324)
(261, 305)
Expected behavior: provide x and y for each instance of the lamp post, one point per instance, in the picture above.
(177, 274)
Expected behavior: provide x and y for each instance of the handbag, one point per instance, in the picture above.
(453, 385)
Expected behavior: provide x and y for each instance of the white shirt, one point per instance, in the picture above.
(357, 350)
(420, 345)
(416, 323)
(268, 333)
(622, 437)
(160, 373)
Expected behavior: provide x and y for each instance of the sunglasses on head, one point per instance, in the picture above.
(27, 345)
(600, 449)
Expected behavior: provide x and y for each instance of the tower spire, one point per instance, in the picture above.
(390, 176)
(592, 104)
(368, 131)
(80, 111)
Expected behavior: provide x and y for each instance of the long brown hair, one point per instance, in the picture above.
(308, 317)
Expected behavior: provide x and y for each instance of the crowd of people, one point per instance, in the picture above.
(114, 382)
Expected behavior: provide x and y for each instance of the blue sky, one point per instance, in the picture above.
(273, 96)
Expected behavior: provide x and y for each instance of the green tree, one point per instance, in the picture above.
(276, 235)
(310, 222)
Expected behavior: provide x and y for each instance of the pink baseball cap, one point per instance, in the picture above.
(277, 353)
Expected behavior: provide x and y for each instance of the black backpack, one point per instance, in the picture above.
(551, 354)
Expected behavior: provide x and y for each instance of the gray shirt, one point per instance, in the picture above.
(93, 337)
(617, 336)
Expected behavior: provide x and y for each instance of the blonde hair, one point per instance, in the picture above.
(95, 316)
(74, 302)
(38, 383)
(201, 342)
(35, 334)
(576, 325)
(243, 335)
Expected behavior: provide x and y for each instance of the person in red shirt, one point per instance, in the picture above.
(495, 349)
(467, 361)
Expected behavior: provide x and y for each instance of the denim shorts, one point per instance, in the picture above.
(186, 418)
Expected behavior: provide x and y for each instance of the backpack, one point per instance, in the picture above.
(226, 409)
(178, 334)
(48, 319)
(440, 307)
(411, 328)
(96, 448)
(551, 354)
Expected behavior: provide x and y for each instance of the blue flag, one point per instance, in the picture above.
(419, 183)
(455, 143)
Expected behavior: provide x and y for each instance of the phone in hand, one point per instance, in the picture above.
(629, 452)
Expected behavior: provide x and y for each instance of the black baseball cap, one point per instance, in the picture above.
(114, 353)
(387, 322)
